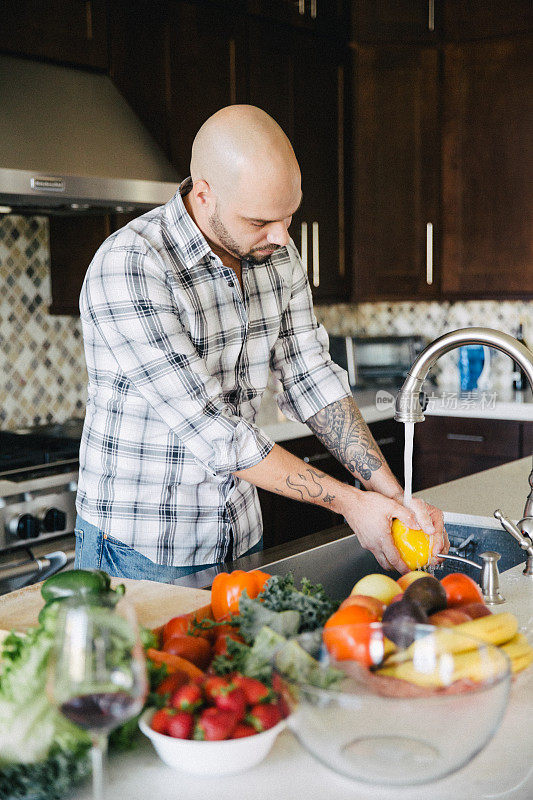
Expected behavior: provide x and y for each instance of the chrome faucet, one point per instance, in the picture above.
(411, 400)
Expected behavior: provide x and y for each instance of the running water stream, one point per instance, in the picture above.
(408, 463)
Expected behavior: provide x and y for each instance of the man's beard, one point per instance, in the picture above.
(228, 242)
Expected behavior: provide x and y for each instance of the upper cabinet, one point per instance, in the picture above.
(487, 169)
(206, 70)
(442, 153)
(68, 31)
(300, 80)
(395, 178)
(394, 20)
(138, 47)
(319, 141)
(483, 19)
(322, 16)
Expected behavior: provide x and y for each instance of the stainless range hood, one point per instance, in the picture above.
(70, 143)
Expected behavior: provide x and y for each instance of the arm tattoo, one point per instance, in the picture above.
(342, 429)
(308, 485)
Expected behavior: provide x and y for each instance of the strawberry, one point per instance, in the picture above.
(160, 720)
(180, 725)
(284, 708)
(243, 730)
(234, 700)
(215, 685)
(187, 698)
(254, 691)
(215, 724)
(263, 716)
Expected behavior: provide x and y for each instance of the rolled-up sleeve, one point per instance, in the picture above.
(129, 304)
(300, 357)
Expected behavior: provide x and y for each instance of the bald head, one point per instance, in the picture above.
(246, 184)
(242, 149)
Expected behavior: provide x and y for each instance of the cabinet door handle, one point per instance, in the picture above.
(431, 15)
(464, 437)
(316, 256)
(340, 168)
(89, 18)
(429, 253)
(313, 9)
(232, 73)
(316, 457)
(303, 248)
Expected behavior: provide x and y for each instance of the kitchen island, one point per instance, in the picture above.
(503, 769)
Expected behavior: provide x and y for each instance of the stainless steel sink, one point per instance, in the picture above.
(335, 558)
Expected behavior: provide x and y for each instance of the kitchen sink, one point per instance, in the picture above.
(335, 558)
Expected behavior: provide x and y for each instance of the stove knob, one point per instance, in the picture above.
(54, 520)
(25, 527)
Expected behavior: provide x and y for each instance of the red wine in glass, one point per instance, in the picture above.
(100, 711)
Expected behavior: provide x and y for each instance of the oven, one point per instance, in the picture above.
(38, 485)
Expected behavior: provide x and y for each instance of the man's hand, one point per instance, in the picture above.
(370, 516)
(431, 520)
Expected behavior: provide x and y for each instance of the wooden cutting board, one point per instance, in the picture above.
(155, 603)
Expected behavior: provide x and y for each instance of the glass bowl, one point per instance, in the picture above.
(404, 713)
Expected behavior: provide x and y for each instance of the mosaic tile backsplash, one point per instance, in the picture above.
(42, 368)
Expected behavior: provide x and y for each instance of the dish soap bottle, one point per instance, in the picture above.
(519, 376)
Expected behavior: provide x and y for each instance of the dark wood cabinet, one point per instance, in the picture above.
(394, 20)
(73, 243)
(285, 520)
(319, 142)
(390, 438)
(487, 169)
(482, 19)
(447, 448)
(138, 53)
(207, 70)
(395, 182)
(527, 439)
(66, 31)
(299, 80)
(321, 16)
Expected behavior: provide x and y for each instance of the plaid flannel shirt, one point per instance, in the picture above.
(178, 360)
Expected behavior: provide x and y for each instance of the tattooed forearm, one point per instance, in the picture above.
(342, 429)
(308, 486)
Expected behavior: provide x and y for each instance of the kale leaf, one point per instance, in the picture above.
(311, 601)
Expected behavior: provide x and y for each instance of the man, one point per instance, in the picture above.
(184, 311)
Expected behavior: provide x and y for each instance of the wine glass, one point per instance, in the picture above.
(97, 672)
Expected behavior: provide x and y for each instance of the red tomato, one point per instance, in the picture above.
(185, 623)
(460, 590)
(195, 649)
(347, 634)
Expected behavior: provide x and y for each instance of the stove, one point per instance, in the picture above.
(38, 484)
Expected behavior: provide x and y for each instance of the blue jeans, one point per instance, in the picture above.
(96, 550)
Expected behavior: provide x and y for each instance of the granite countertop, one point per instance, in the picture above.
(505, 487)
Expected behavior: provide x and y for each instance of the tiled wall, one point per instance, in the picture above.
(432, 319)
(42, 368)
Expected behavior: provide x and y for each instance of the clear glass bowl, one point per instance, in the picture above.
(425, 714)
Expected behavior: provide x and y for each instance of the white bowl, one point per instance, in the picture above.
(210, 758)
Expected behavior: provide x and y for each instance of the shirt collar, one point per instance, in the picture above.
(183, 230)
